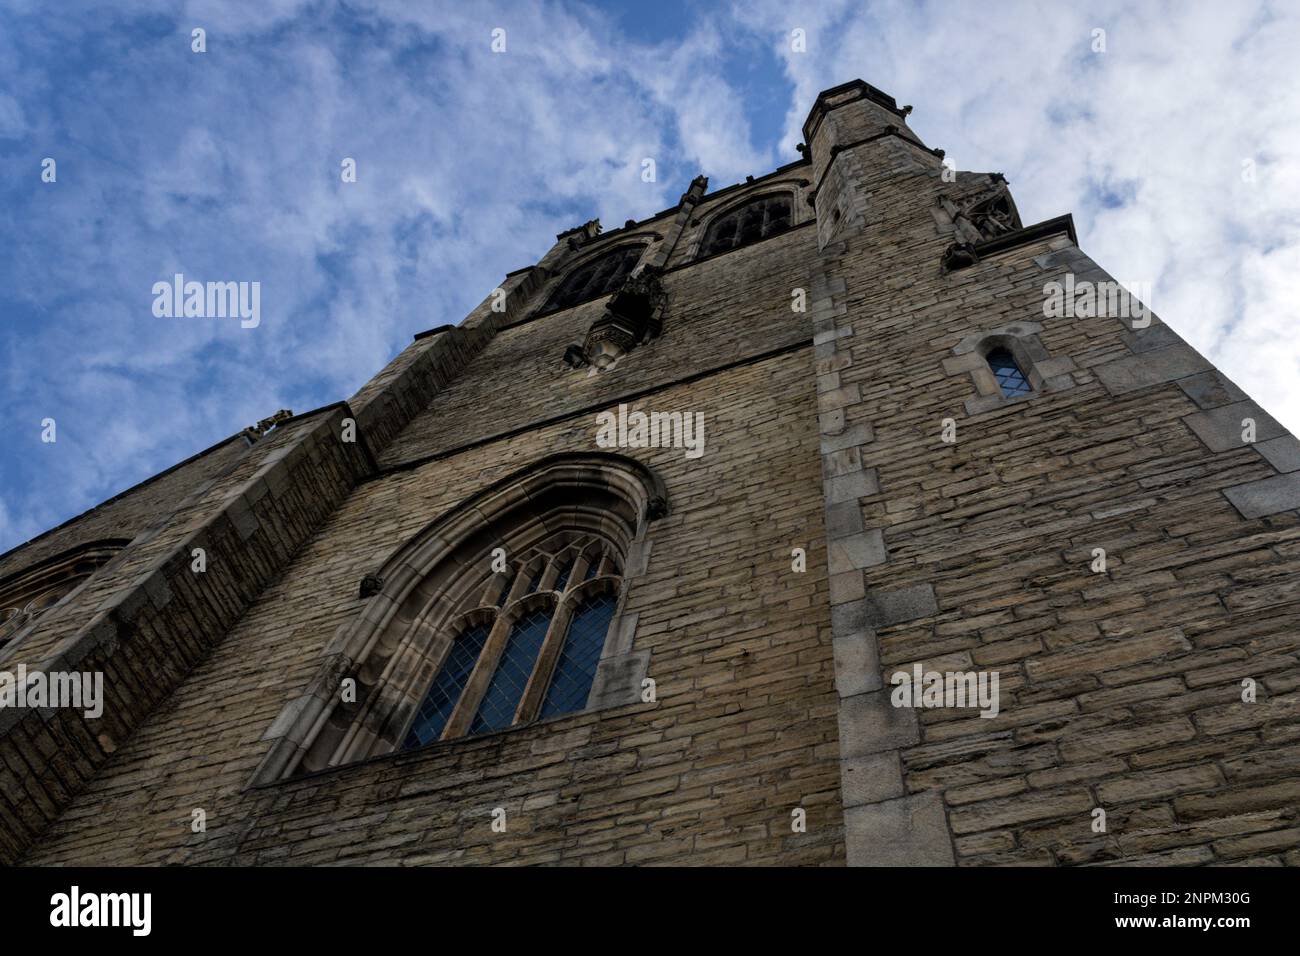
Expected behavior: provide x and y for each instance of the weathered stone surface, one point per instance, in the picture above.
(1223, 428)
(1269, 496)
(909, 831)
(871, 779)
(870, 724)
(1211, 389)
(1155, 367)
(1282, 453)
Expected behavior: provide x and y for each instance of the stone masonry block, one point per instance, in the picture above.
(847, 586)
(870, 724)
(909, 831)
(884, 608)
(871, 779)
(846, 461)
(1257, 499)
(1282, 453)
(858, 551)
(857, 664)
(843, 519)
(859, 434)
(1221, 428)
(1151, 368)
(1211, 389)
(850, 487)
(1151, 338)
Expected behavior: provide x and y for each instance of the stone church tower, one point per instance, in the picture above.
(641, 563)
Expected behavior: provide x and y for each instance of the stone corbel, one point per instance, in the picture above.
(634, 315)
(959, 255)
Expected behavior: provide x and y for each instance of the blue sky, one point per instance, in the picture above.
(225, 166)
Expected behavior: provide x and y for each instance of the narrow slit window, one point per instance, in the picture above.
(1010, 378)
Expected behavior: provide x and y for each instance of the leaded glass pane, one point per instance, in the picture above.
(1011, 380)
(435, 710)
(506, 689)
(576, 667)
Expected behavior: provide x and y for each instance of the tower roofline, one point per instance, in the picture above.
(843, 94)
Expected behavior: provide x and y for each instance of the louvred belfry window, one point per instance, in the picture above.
(753, 221)
(601, 276)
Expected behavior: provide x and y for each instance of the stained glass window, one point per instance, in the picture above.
(576, 667)
(506, 689)
(435, 710)
(450, 702)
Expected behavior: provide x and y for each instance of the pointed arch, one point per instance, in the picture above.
(594, 276)
(564, 513)
(773, 208)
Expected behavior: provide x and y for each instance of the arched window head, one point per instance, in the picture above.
(601, 276)
(1011, 380)
(24, 597)
(757, 219)
(500, 612)
(523, 652)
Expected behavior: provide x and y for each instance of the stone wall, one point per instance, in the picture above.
(1121, 690)
(742, 733)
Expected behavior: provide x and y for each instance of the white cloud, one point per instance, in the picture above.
(226, 166)
(1181, 96)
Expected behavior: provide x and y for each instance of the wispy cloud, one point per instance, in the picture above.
(225, 166)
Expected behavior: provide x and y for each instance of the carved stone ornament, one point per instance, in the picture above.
(633, 315)
(959, 255)
(254, 432)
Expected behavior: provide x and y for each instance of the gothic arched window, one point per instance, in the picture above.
(527, 644)
(601, 276)
(504, 610)
(757, 219)
(26, 596)
(1010, 378)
